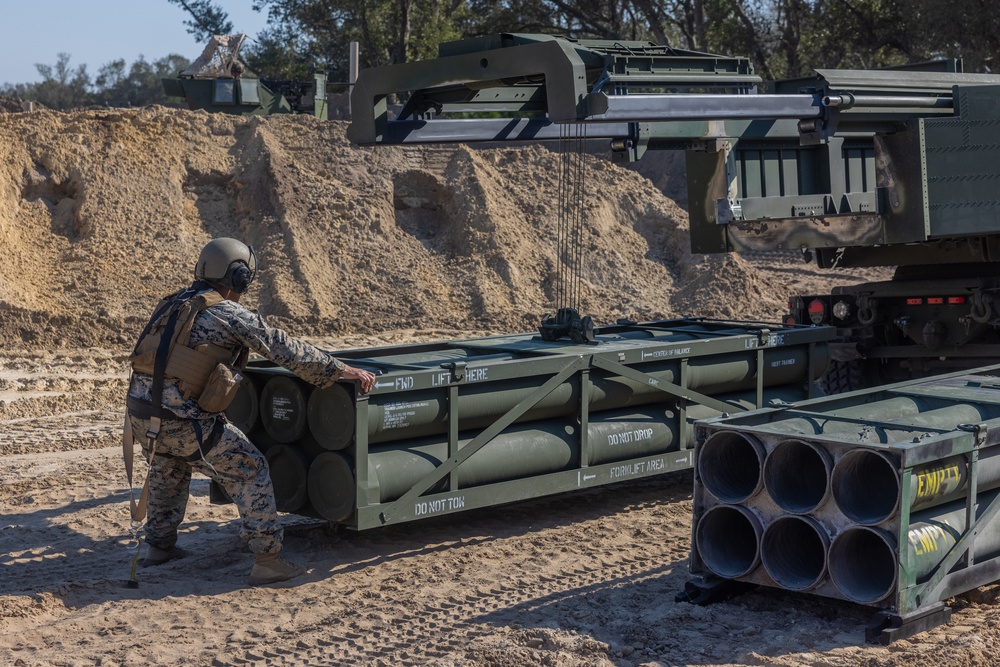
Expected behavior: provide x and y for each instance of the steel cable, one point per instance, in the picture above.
(570, 216)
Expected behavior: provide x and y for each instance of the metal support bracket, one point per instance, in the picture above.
(712, 589)
(887, 627)
(567, 323)
(555, 61)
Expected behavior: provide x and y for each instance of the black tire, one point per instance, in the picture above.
(843, 376)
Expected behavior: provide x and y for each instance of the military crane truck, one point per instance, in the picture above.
(850, 168)
(887, 496)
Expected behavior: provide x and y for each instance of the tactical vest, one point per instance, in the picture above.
(192, 366)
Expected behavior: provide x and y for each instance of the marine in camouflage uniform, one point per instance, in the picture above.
(234, 462)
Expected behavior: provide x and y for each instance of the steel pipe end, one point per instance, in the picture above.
(797, 475)
(793, 551)
(729, 465)
(862, 563)
(866, 486)
(728, 539)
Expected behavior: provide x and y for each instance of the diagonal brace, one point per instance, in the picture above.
(667, 387)
(488, 434)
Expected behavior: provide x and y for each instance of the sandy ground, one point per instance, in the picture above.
(375, 248)
(578, 579)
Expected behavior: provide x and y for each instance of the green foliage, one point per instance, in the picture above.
(206, 19)
(784, 38)
(319, 32)
(62, 87)
(137, 85)
(116, 84)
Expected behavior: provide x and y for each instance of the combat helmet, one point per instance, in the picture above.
(227, 263)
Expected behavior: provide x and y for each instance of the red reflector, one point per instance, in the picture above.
(935, 300)
(956, 300)
(914, 302)
(816, 306)
(790, 320)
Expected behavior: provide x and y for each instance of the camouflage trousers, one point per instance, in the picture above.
(233, 462)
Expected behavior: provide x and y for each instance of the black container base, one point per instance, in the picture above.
(709, 590)
(887, 627)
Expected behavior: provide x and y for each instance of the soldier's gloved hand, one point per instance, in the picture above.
(365, 378)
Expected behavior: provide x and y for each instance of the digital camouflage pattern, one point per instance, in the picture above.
(234, 462)
(228, 324)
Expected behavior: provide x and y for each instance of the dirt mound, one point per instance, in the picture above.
(729, 287)
(102, 211)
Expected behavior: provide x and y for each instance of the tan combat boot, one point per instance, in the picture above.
(272, 568)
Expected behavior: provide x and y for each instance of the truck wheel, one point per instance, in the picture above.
(842, 376)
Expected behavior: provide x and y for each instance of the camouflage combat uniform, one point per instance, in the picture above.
(233, 462)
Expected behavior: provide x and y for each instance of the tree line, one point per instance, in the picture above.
(783, 38)
(116, 84)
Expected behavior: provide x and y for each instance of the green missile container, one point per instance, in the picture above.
(897, 419)
(331, 419)
(332, 486)
(289, 469)
(903, 510)
(415, 414)
(456, 425)
(526, 450)
(863, 561)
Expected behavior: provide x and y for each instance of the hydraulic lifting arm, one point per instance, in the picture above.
(847, 164)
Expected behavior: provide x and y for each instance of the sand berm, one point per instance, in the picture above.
(103, 211)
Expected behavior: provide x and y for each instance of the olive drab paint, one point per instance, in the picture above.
(914, 472)
(636, 389)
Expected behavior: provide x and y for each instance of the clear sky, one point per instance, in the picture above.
(95, 32)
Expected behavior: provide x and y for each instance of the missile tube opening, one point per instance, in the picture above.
(797, 475)
(728, 541)
(729, 465)
(863, 564)
(866, 486)
(793, 551)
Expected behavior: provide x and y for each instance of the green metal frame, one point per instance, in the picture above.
(961, 568)
(675, 345)
(374, 514)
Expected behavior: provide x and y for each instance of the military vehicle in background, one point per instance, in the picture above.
(850, 168)
(217, 81)
(886, 497)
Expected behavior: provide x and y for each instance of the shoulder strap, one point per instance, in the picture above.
(159, 370)
(200, 302)
(163, 307)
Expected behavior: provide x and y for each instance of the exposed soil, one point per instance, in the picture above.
(101, 212)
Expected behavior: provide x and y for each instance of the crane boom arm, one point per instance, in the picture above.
(853, 165)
